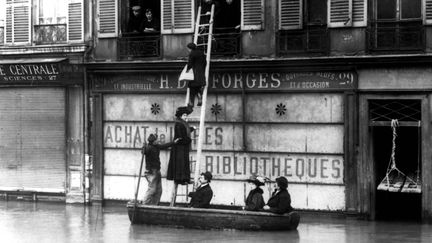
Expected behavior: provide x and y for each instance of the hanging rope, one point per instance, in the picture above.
(399, 181)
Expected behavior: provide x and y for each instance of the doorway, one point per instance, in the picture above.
(395, 127)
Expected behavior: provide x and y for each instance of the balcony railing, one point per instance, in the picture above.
(50, 33)
(396, 36)
(226, 42)
(139, 46)
(310, 40)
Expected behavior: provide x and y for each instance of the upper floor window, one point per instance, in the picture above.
(2, 21)
(303, 24)
(51, 21)
(140, 18)
(397, 25)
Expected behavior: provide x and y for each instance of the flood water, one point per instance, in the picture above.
(56, 222)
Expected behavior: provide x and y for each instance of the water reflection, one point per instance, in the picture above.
(57, 222)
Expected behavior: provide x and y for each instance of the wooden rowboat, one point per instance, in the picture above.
(211, 218)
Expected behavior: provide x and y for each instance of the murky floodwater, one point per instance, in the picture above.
(56, 222)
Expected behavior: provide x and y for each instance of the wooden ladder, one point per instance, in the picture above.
(203, 36)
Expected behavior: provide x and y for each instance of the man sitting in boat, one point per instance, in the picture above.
(202, 196)
(255, 200)
(280, 201)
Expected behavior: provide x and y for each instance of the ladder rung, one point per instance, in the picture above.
(206, 14)
(204, 24)
(202, 44)
(204, 34)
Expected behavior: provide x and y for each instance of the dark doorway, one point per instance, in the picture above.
(397, 205)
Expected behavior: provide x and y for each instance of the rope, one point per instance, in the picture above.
(394, 124)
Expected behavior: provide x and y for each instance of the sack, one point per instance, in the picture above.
(186, 75)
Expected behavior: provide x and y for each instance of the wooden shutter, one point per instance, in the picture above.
(427, 16)
(359, 12)
(75, 21)
(340, 13)
(290, 14)
(177, 16)
(252, 14)
(18, 21)
(107, 18)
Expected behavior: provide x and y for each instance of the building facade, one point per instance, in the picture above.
(305, 89)
(43, 45)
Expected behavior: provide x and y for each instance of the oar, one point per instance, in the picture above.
(137, 189)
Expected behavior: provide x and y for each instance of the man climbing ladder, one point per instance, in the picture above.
(202, 39)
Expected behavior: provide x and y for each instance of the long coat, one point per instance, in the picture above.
(254, 201)
(280, 202)
(201, 197)
(197, 61)
(179, 164)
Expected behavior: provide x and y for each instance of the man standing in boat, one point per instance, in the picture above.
(202, 196)
(153, 165)
(280, 201)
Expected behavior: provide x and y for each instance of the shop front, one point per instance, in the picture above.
(41, 134)
(395, 143)
(266, 121)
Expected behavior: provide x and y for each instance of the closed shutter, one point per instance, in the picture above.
(107, 18)
(75, 20)
(340, 12)
(252, 14)
(18, 21)
(32, 139)
(290, 14)
(177, 16)
(428, 12)
(359, 13)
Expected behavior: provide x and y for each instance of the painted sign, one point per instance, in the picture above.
(296, 167)
(295, 138)
(18, 73)
(229, 80)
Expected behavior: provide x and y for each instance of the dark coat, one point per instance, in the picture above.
(152, 152)
(255, 200)
(179, 165)
(280, 202)
(197, 61)
(201, 197)
(135, 23)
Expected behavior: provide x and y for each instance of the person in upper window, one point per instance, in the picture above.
(135, 20)
(280, 201)
(150, 23)
(255, 200)
(197, 61)
(202, 196)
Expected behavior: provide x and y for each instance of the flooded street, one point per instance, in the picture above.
(57, 222)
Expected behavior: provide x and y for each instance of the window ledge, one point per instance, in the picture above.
(61, 48)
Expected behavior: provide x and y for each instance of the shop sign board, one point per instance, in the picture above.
(277, 80)
(39, 72)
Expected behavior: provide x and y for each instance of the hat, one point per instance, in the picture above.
(151, 138)
(183, 110)
(282, 182)
(258, 180)
(136, 7)
(148, 10)
(191, 46)
(207, 175)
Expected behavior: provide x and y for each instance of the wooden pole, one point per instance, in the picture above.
(137, 188)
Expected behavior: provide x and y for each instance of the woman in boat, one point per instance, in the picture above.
(179, 164)
(280, 201)
(255, 200)
(202, 196)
